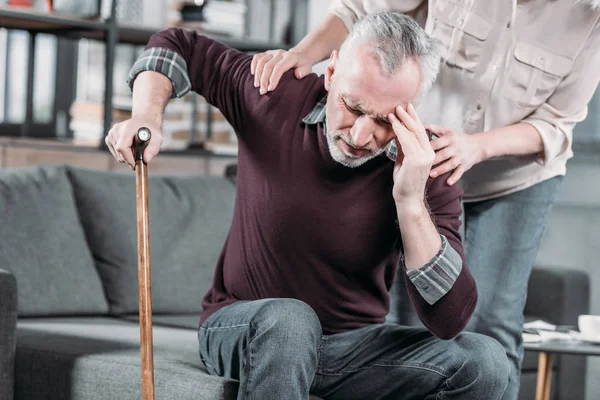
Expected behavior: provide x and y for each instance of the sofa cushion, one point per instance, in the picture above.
(186, 321)
(189, 221)
(42, 243)
(99, 358)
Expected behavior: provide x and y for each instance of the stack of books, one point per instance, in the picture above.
(87, 124)
(218, 18)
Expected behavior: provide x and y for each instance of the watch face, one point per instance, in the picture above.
(144, 133)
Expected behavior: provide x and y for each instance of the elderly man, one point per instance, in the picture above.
(323, 222)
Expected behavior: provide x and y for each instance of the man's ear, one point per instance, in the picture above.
(330, 69)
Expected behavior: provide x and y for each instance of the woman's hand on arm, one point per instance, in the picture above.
(460, 151)
(269, 67)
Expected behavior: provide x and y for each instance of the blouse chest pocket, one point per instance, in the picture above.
(462, 37)
(534, 73)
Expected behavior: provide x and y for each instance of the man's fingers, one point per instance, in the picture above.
(123, 147)
(420, 131)
(108, 141)
(152, 149)
(406, 139)
(114, 141)
(407, 119)
(456, 175)
(414, 126)
(120, 140)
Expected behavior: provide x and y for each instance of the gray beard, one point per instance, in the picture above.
(338, 155)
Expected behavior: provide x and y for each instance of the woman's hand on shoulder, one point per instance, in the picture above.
(269, 67)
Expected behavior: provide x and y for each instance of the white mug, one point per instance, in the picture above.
(589, 325)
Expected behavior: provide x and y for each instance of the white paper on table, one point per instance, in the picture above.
(549, 335)
(539, 324)
(531, 338)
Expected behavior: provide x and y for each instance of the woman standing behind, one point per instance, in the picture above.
(515, 79)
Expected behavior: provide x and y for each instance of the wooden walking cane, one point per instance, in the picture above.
(140, 142)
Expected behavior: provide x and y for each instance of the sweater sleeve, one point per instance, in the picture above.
(206, 66)
(448, 316)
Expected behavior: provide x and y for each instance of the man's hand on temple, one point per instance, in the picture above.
(415, 157)
(120, 139)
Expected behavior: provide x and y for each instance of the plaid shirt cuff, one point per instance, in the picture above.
(437, 277)
(168, 63)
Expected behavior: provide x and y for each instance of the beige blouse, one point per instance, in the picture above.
(535, 61)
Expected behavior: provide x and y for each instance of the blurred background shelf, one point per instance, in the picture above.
(88, 99)
(36, 20)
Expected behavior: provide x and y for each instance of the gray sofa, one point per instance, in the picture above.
(68, 258)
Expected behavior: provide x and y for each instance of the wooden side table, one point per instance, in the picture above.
(546, 350)
(544, 377)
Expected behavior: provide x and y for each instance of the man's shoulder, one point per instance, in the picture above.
(293, 99)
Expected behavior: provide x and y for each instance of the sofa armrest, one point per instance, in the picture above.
(558, 295)
(8, 322)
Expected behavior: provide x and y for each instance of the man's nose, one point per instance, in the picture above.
(363, 131)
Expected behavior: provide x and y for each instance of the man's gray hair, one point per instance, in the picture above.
(394, 39)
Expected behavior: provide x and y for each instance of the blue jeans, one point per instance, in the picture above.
(276, 349)
(502, 239)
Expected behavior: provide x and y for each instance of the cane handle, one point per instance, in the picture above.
(140, 142)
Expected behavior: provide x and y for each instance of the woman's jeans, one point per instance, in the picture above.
(276, 349)
(502, 238)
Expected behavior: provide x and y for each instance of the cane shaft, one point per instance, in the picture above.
(144, 281)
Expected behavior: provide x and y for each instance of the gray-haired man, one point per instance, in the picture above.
(324, 220)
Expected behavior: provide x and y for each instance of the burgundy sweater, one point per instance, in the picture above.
(305, 226)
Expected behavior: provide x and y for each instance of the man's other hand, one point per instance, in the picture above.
(120, 139)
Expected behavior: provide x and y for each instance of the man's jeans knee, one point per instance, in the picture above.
(269, 345)
(485, 369)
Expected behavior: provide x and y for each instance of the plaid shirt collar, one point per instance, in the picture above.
(317, 114)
